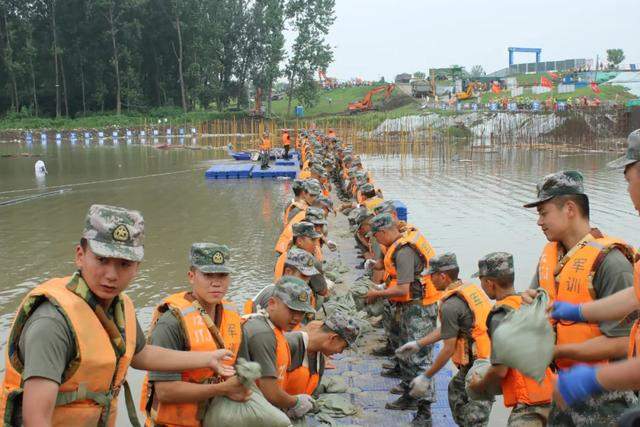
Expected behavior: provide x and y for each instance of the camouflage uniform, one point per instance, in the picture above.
(466, 412)
(344, 325)
(529, 416)
(602, 410)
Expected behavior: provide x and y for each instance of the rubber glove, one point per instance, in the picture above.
(419, 386)
(567, 311)
(332, 245)
(368, 264)
(408, 349)
(304, 403)
(578, 383)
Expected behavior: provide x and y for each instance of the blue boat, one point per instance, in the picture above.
(238, 155)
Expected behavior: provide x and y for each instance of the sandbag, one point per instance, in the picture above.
(257, 411)
(359, 289)
(480, 367)
(332, 384)
(524, 340)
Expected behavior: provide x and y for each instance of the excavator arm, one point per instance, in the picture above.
(366, 103)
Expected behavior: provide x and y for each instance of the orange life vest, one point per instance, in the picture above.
(282, 245)
(283, 352)
(418, 242)
(199, 338)
(480, 307)
(301, 380)
(300, 204)
(516, 387)
(286, 140)
(305, 173)
(373, 202)
(266, 144)
(574, 284)
(90, 388)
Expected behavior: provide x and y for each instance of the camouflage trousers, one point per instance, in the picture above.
(602, 410)
(391, 324)
(417, 321)
(529, 415)
(466, 412)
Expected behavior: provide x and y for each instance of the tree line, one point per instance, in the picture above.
(78, 57)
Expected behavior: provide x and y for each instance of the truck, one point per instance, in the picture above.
(420, 88)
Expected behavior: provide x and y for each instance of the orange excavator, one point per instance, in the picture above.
(366, 103)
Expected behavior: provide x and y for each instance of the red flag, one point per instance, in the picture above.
(595, 88)
(545, 82)
(495, 88)
(553, 75)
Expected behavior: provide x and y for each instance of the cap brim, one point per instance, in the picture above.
(214, 269)
(111, 250)
(306, 308)
(476, 274)
(621, 163)
(537, 202)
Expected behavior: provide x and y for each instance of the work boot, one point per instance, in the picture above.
(384, 351)
(423, 416)
(377, 323)
(392, 373)
(400, 389)
(403, 403)
(392, 364)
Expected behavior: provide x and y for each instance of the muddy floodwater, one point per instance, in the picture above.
(466, 200)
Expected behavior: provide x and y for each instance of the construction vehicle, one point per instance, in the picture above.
(420, 88)
(366, 103)
(469, 93)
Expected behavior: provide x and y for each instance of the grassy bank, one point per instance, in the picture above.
(609, 93)
(174, 117)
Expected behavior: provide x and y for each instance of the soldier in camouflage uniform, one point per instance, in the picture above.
(457, 320)
(531, 404)
(414, 319)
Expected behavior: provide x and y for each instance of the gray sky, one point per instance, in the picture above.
(373, 38)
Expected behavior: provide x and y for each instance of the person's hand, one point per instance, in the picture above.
(529, 295)
(369, 264)
(332, 245)
(304, 404)
(371, 296)
(217, 363)
(380, 287)
(419, 386)
(567, 311)
(577, 384)
(331, 285)
(235, 390)
(406, 350)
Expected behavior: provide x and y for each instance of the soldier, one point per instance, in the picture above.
(463, 315)
(298, 202)
(531, 402)
(310, 193)
(414, 299)
(581, 265)
(196, 320)
(579, 383)
(74, 338)
(264, 342)
(318, 340)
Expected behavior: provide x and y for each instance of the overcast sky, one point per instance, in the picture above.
(373, 38)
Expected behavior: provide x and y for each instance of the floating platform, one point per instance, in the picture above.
(285, 162)
(229, 170)
(250, 170)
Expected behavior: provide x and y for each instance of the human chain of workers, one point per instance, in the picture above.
(74, 338)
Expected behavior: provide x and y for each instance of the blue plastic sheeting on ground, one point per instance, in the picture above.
(370, 392)
(229, 170)
(275, 171)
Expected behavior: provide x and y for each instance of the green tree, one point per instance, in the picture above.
(615, 57)
(477, 71)
(419, 75)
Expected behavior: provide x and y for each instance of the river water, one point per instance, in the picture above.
(465, 199)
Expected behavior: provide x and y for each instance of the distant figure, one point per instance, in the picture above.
(265, 149)
(40, 168)
(286, 143)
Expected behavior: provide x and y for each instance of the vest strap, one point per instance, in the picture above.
(82, 393)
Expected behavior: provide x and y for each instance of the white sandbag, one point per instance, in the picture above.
(480, 367)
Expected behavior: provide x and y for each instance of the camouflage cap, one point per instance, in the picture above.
(381, 222)
(446, 261)
(496, 265)
(385, 207)
(114, 232)
(315, 216)
(347, 159)
(317, 169)
(360, 215)
(633, 152)
(295, 293)
(558, 184)
(312, 186)
(367, 188)
(325, 202)
(357, 161)
(297, 184)
(301, 260)
(305, 229)
(210, 258)
(344, 325)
